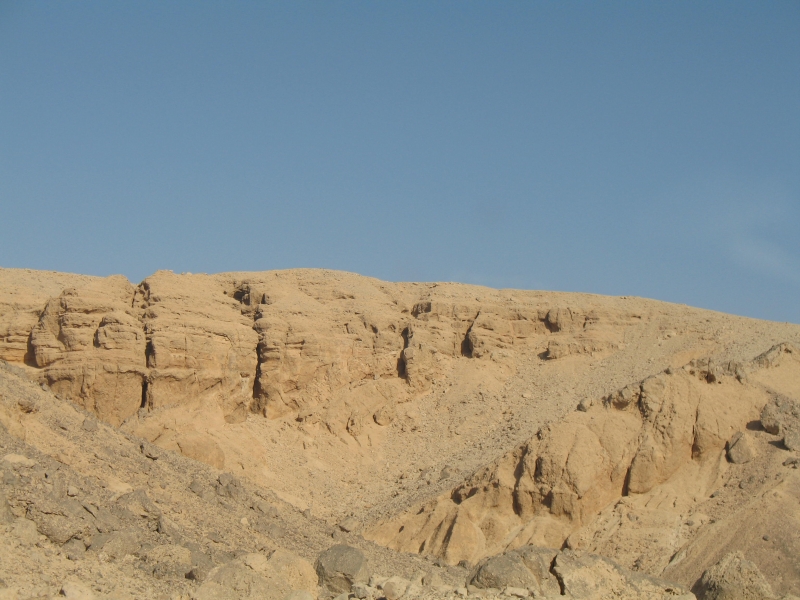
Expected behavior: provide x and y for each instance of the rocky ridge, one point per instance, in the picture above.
(359, 402)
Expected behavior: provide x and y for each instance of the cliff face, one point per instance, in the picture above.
(653, 451)
(442, 419)
(277, 343)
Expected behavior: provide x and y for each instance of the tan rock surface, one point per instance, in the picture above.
(362, 399)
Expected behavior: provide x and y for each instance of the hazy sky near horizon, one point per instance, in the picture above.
(623, 148)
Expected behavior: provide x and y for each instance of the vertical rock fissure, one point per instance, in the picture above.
(466, 343)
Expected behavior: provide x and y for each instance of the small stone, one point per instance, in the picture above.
(18, 460)
(72, 491)
(197, 573)
(74, 549)
(89, 425)
(150, 451)
(385, 415)
(517, 592)
(462, 591)
(299, 595)
(765, 538)
(583, 406)
(349, 525)
(266, 509)
(73, 590)
(361, 591)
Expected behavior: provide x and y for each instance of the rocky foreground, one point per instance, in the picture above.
(313, 434)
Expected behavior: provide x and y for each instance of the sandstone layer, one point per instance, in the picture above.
(453, 422)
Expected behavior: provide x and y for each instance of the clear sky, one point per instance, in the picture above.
(641, 148)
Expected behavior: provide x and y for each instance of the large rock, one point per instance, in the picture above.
(733, 578)
(90, 346)
(341, 566)
(592, 577)
(779, 414)
(527, 567)
(238, 581)
(23, 295)
(740, 448)
(296, 571)
(547, 572)
(556, 483)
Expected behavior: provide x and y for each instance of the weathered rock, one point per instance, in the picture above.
(385, 414)
(593, 577)
(19, 461)
(139, 504)
(299, 595)
(238, 580)
(779, 414)
(361, 591)
(740, 448)
(733, 578)
(502, 571)
(74, 549)
(74, 590)
(116, 545)
(61, 520)
(296, 571)
(25, 531)
(395, 587)
(340, 566)
(349, 525)
(791, 438)
(6, 516)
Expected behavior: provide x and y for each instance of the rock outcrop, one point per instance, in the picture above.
(642, 441)
(339, 346)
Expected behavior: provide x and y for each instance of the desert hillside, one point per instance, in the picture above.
(458, 439)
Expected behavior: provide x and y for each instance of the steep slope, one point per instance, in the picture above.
(655, 476)
(367, 400)
(87, 509)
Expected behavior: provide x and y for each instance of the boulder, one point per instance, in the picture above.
(733, 578)
(740, 448)
(779, 414)
(297, 572)
(594, 577)
(341, 566)
(237, 580)
(791, 438)
(116, 545)
(395, 587)
(502, 571)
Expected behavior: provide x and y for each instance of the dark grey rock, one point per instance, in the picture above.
(340, 567)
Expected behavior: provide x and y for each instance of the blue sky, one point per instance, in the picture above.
(642, 148)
